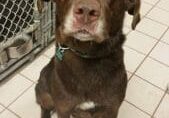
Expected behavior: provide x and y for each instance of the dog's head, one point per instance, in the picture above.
(93, 20)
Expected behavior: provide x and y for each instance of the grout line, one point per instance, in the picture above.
(145, 2)
(128, 78)
(156, 21)
(162, 9)
(143, 33)
(20, 95)
(151, 3)
(146, 33)
(144, 16)
(150, 83)
(158, 40)
(27, 78)
(146, 54)
(2, 109)
(155, 5)
(165, 92)
(158, 61)
(159, 104)
(11, 112)
(3, 106)
(137, 107)
(14, 113)
(135, 50)
(6, 108)
(150, 35)
(164, 41)
(150, 50)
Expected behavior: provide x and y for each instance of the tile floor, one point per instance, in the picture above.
(147, 63)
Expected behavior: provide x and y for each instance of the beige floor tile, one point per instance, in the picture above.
(164, 4)
(151, 28)
(163, 110)
(140, 42)
(161, 53)
(159, 15)
(145, 8)
(10, 90)
(132, 59)
(26, 106)
(7, 114)
(155, 73)
(143, 95)
(50, 51)
(165, 38)
(126, 30)
(129, 111)
(128, 20)
(153, 2)
(1, 108)
(55, 115)
(33, 70)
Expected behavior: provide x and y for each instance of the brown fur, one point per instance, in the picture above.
(65, 84)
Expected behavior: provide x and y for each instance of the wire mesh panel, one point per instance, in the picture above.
(23, 32)
(15, 16)
(46, 29)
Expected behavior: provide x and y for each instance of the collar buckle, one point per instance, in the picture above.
(60, 52)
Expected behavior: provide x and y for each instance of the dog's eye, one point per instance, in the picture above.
(93, 13)
(79, 11)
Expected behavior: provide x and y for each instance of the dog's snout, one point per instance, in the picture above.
(87, 11)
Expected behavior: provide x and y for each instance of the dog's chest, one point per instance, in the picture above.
(87, 79)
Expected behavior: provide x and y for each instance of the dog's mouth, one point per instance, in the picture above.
(83, 35)
(83, 31)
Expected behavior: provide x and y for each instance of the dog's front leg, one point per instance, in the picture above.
(45, 113)
(64, 108)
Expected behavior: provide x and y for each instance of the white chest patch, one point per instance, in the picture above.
(87, 105)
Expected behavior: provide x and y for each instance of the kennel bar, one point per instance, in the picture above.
(23, 32)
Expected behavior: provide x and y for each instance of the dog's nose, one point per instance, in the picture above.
(86, 12)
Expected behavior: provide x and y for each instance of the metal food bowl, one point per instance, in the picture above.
(20, 47)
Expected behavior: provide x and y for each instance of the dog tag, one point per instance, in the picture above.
(59, 54)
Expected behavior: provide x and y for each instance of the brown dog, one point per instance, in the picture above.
(88, 67)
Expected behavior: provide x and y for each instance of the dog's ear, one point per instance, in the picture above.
(133, 8)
